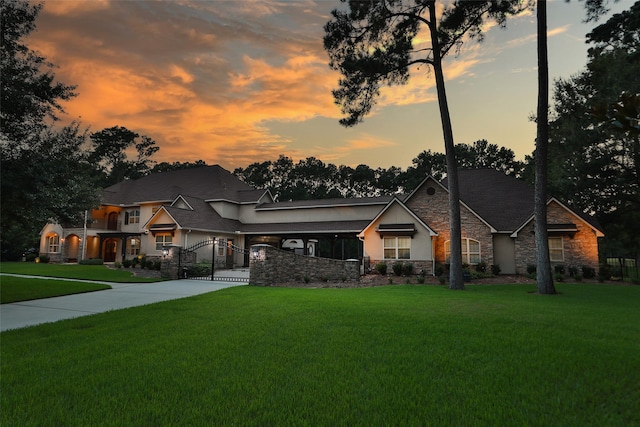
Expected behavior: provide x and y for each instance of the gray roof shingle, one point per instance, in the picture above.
(207, 183)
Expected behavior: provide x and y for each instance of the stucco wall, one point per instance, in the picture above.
(420, 243)
(270, 266)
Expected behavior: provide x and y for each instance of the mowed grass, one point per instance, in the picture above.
(73, 271)
(15, 289)
(393, 355)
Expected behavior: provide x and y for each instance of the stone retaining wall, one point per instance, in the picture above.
(270, 266)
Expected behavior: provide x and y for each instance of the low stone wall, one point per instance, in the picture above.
(270, 266)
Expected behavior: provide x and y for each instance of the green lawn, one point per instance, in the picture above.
(73, 271)
(14, 289)
(392, 355)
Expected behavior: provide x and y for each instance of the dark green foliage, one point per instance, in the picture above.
(588, 272)
(44, 171)
(109, 154)
(573, 271)
(605, 272)
(531, 269)
(407, 269)
(44, 259)
(593, 155)
(495, 269)
(91, 261)
(381, 268)
(397, 268)
(199, 270)
(481, 267)
(559, 269)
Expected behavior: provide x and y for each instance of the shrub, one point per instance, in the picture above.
(126, 263)
(117, 264)
(559, 277)
(573, 270)
(31, 257)
(381, 268)
(307, 279)
(531, 269)
(578, 277)
(91, 261)
(149, 264)
(397, 268)
(439, 270)
(44, 259)
(157, 265)
(559, 269)
(442, 280)
(421, 277)
(199, 270)
(588, 272)
(495, 269)
(605, 272)
(407, 269)
(481, 267)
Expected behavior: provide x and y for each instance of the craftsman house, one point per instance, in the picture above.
(184, 207)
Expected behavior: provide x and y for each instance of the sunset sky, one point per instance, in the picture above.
(236, 82)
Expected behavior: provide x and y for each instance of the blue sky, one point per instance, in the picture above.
(237, 82)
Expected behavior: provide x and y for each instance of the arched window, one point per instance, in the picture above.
(470, 251)
(53, 243)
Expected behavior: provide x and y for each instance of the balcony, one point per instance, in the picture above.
(98, 224)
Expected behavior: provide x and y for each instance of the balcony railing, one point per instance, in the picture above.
(98, 224)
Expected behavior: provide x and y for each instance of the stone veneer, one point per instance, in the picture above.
(270, 266)
(433, 209)
(580, 248)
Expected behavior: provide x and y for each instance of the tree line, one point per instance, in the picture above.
(51, 172)
(311, 178)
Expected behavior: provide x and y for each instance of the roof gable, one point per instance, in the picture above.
(590, 221)
(393, 202)
(502, 201)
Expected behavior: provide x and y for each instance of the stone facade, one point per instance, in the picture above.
(580, 248)
(270, 266)
(172, 264)
(431, 204)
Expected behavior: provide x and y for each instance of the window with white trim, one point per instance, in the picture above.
(222, 245)
(134, 216)
(53, 243)
(470, 251)
(134, 247)
(397, 247)
(163, 239)
(556, 249)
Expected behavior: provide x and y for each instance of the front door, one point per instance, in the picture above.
(110, 250)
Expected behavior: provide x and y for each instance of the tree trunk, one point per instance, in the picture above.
(456, 279)
(544, 278)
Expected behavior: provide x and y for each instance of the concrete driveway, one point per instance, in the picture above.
(122, 295)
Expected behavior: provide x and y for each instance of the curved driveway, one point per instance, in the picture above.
(122, 295)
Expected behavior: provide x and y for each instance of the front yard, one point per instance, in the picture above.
(386, 355)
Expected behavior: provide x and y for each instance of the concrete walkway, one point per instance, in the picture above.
(122, 295)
